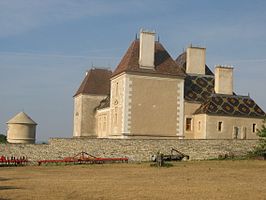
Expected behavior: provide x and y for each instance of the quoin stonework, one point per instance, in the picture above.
(151, 95)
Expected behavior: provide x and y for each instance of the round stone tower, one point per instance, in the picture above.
(21, 129)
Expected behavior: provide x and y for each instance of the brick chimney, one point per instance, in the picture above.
(223, 80)
(196, 59)
(147, 49)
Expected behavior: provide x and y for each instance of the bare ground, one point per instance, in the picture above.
(244, 179)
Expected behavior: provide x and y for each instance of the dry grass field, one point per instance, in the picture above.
(245, 179)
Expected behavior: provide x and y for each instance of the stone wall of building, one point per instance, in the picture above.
(134, 149)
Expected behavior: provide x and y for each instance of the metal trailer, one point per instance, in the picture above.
(84, 158)
(13, 161)
(174, 156)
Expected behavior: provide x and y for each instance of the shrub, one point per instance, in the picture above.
(260, 149)
(3, 138)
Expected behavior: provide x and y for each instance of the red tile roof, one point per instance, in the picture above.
(97, 81)
(163, 62)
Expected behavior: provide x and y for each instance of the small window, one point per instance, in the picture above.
(244, 133)
(199, 125)
(116, 117)
(220, 124)
(116, 89)
(100, 123)
(254, 127)
(236, 133)
(188, 124)
(104, 123)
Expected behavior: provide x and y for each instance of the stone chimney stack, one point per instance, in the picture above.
(223, 80)
(146, 49)
(196, 59)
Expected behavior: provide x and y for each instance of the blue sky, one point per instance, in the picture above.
(46, 47)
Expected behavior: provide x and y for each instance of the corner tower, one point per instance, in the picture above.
(147, 89)
(94, 88)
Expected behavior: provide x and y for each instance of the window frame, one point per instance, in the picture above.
(191, 124)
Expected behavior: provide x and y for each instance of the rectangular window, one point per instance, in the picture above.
(254, 127)
(199, 125)
(104, 123)
(116, 116)
(236, 133)
(100, 124)
(244, 133)
(220, 124)
(116, 89)
(188, 124)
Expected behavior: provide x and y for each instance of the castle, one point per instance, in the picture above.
(151, 95)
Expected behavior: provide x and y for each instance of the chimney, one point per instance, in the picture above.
(146, 49)
(223, 80)
(196, 59)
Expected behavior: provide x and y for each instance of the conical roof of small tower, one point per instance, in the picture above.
(21, 118)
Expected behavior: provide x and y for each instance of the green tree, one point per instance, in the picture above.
(2, 138)
(260, 149)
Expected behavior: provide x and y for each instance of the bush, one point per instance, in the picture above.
(260, 149)
(2, 138)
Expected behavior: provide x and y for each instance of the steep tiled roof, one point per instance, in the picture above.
(198, 88)
(182, 61)
(163, 62)
(231, 105)
(97, 81)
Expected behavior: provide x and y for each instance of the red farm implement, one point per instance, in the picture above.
(13, 161)
(84, 158)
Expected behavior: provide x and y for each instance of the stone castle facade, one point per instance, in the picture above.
(150, 94)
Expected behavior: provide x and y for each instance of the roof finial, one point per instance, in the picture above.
(248, 94)
(190, 45)
(158, 38)
(136, 36)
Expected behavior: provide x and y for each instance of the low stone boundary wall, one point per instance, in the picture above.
(134, 149)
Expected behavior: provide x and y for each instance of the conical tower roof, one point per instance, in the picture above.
(21, 118)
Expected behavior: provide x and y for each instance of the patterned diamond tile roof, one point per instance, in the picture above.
(198, 88)
(231, 105)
